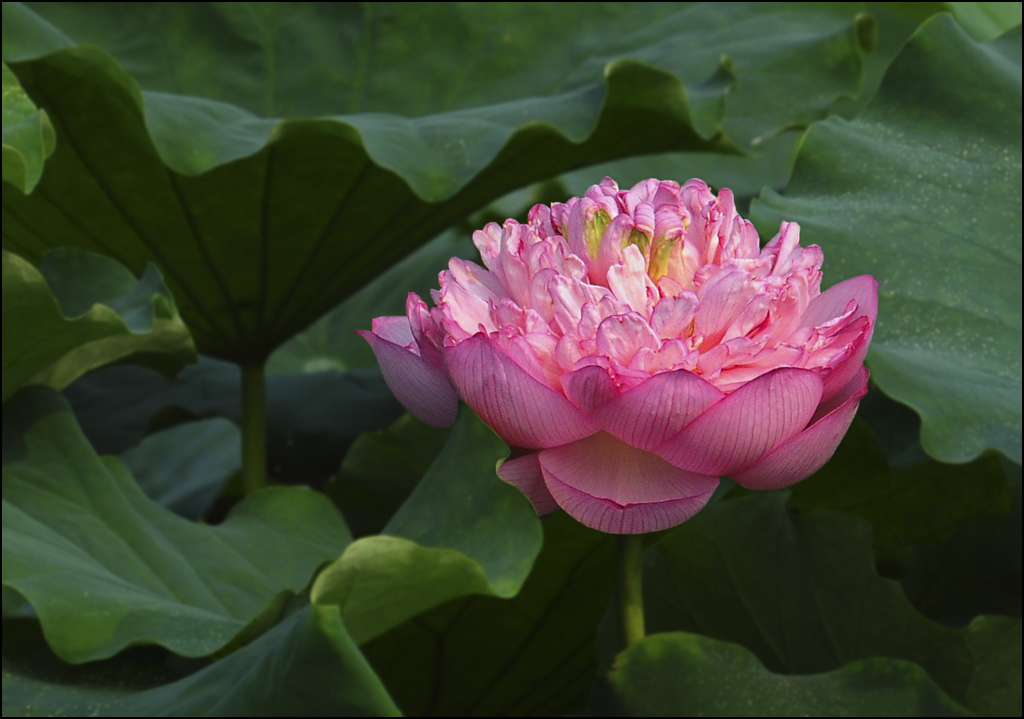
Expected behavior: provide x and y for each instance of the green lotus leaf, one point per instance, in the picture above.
(106, 568)
(531, 655)
(687, 675)
(320, 143)
(83, 311)
(802, 593)
(462, 531)
(925, 503)
(306, 665)
(923, 192)
(28, 136)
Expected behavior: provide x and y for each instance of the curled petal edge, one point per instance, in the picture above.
(421, 387)
(524, 473)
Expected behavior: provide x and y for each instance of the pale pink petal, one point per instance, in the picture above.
(589, 387)
(647, 416)
(524, 474)
(523, 411)
(832, 303)
(395, 330)
(803, 455)
(612, 487)
(420, 386)
(629, 282)
(748, 424)
(722, 298)
(621, 336)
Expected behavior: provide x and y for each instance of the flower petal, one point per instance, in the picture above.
(647, 416)
(806, 453)
(832, 303)
(589, 387)
(612, 487)
(748, 424)
(420, 386)
(523, 411)
(524, 474)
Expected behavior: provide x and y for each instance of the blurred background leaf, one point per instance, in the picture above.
(688, 675)
(306, 664)
(82, 312)
(28, 136)
(532, 655)
(81, 540)
(922, 191)
(802, 593)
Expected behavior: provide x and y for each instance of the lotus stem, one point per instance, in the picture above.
(630, 588)
(254, 428)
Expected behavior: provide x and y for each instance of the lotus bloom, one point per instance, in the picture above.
(634, 346)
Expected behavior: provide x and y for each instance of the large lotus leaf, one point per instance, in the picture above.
(82, 312)
(381, 470)
(332, 344)
(671, 675)
(511, 94)
(977, 571)
(462, 531)
(313, 418)
(803, 594)
(983, 20)
(909, 506)
(923, 192)
(532, 655)
(306, 666)
(184, 468)
(106, 568)
(28, 136)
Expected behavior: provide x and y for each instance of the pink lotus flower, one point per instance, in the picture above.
(634, 346)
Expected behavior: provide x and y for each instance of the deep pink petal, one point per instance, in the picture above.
(589, 387)
(832, 303)
(806, 453)
(647, 416)
(612, 487)
(420, 386)
(524, 412)
(748, 424)
(524, 474)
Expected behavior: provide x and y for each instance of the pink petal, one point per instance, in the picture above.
(420, 386)
(647, 416)
(612, 487)
(395, 330)
(748, 424)
(523, 411)
(589, 387)
(832, 303)
(524, 474)
(807, 452)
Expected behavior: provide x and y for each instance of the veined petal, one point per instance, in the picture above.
(523, 411)
(524, 474)
(748, 424)
(807, 452)
(832, 303)
(589, 387)
(420, 386)
(648, 415)
(612, 487)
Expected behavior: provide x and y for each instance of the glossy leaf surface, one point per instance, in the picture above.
(922, 191)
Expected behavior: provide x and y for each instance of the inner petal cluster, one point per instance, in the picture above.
(658, 278)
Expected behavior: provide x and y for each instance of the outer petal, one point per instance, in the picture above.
(589, 387)
(806, 453)
(612, 487)
(524, 412)
(524, 474)
(421, 387)
(832, 303)
(647, 416)
(748, 424)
